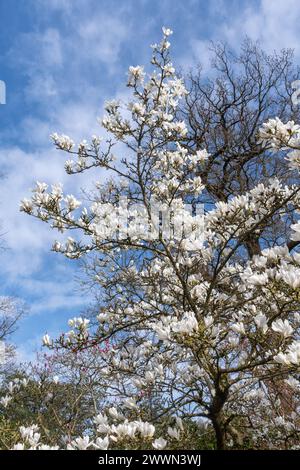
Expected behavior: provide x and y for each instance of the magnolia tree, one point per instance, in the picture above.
(191, 321)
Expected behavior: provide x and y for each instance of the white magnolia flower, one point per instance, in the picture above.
(26, 205)
(292, 278)
(101, 444)
(62, 141)
(18, 446)
(293, 383)
(103, 317)
(174, 433)
(46, 340)
(81, 443)
(201, 156)
(57, 246)
(79, 322)
(27, 432)
(5, 400)
(296, 232)
(167, 31)
(159, 444)
(261, 322)
(40, 187)
(34, 439)
(11, 386)
(208, 320)
(57, 190)
(281, 358)
(239, 328)
(101, 422)
(293, 355)
(187, 325)
(135, 74)
(125, 429)
(258, 279)
(146, 429)
(137, 108)
(72, 202)
(130, 403)
(179, 423)
(163, 331)
(113, 412)
(282, 327)
(278, 134)
(149, 376)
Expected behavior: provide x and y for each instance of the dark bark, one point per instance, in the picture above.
(216, 413)
(219, 433)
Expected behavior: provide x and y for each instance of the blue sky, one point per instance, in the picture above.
(60, 60)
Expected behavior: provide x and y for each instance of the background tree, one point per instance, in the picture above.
(224, 112)
(11, 310)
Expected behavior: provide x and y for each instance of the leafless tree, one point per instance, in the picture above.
(225, 110)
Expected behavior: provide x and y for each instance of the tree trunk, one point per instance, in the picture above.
(219, 432)
(215, 414)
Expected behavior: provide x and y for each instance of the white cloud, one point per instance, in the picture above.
(101, 38)
(37, 51)
(54, 294)
(63, 5)
(275, 24)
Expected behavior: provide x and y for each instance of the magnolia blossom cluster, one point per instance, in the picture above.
(248, 212)
(107, 221)
(84, 152)
(186, 326)
(279, 134)
(291, 356)
(176, 172)
(173, 171)
(157, 100)
(111, 429)
(50, 201)
(283, 136)
(12, 387)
